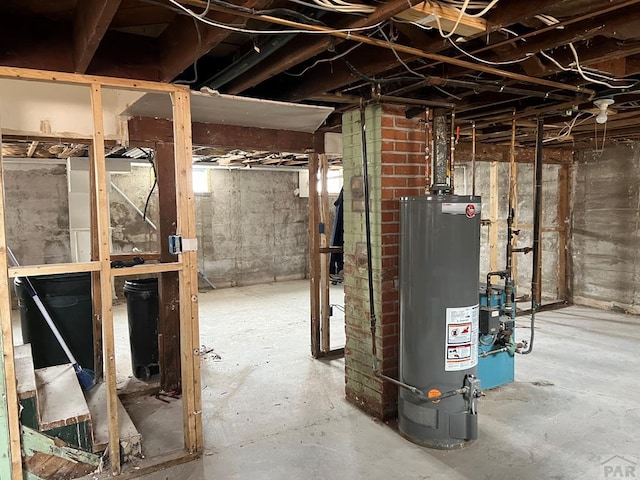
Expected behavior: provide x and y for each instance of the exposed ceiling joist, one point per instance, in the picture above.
(92, 18)
(293, 55)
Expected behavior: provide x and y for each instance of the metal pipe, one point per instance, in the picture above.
(367, 225)
(473, 158)
(452, 150)
(537, 216)
(419, 393)
(493, 352)
(440, 154)
(508, 284)
(412, 101)
(479, 87)
(428, 145)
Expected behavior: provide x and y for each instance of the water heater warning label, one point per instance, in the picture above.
(461, 350)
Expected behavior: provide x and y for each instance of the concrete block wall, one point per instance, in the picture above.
(37, 212)
(524, 217)
(605, 240)
(128, 228)
(252, 228)
(396, 165)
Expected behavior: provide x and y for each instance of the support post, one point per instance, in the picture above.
(536, 287)
(96, 291)
(324, 257)
(563, 230)
(189, 327)
(10, 425)
(493, 216)
(102, 217)
(169, 282)
(314, 255)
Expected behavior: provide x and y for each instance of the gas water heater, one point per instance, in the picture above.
(439, 319)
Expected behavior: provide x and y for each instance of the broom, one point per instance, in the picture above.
(86, 377)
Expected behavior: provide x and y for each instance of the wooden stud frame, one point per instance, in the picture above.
(319, 252)
(100, 266)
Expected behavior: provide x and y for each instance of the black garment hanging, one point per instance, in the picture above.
(336, 260)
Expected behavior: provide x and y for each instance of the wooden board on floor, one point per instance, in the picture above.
(63, 409)
(50, 458)
(61, 399)
(25, 372)
(130, 438)
(27, 390)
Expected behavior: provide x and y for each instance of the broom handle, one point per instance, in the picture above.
(43, 310)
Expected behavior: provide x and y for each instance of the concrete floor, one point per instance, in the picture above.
(272, 412)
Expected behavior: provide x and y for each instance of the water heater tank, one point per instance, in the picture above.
(439, 276)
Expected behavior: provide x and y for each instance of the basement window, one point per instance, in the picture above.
(334, 182)
(200, 180)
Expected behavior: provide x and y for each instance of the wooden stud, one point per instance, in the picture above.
(513, 200)
(189, 328)
(324, 258)
(563, 231)
(11, 393)
(169, 282)
(53, 269)
(102, 224)
(314, 255)
(147, 269)
(514, 225)
(76, 79)
(493, 216)
(96, 289)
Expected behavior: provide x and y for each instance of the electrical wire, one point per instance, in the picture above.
(375, 81)
(581, 71)
(455, 25)
(568, 128)
(345, 7)
(320, 7)
(324, 60)
(410, 70)
(206, 10)
(153, 187)
(195, 62)
(234, 28)
(487, 6)
(582, 74)
(488, 62)
(595, 137)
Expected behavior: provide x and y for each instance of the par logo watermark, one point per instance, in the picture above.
(620, 467)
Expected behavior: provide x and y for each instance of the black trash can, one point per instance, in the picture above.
(142, 312)
(67, 298)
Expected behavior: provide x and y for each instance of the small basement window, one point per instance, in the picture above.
(200, 179)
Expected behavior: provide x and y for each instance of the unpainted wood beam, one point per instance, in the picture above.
(92, 18)
(209, 134)
(185, 40)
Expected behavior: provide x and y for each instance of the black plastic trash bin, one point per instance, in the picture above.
(142, 312)
(67, 298)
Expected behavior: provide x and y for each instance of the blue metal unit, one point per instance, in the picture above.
(498, 368)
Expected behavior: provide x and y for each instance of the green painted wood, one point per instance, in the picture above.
(34, 441)
(5, 453)
(76, 434)
(29, 415)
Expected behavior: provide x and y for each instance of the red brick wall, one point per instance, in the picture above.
(401, 157)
